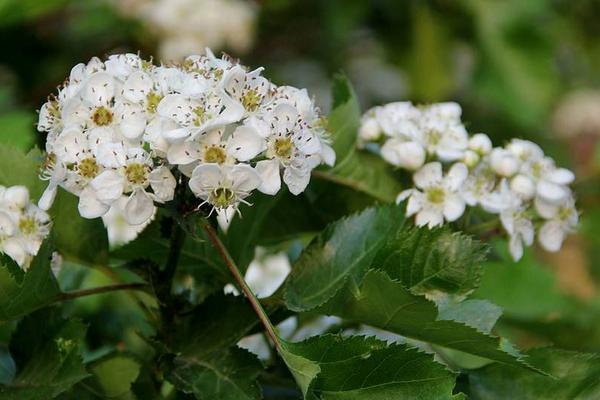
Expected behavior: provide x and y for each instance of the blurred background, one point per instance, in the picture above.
(528, 69)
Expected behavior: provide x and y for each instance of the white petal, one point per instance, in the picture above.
(551, 192)
(244, 178)
(515, 247)
(296, 179)
(99, 89)
(111, 155)
(328, 154)
(14, 248)
(456, 176)
(523, 186)
(245, 144)
(429, 217)
(545, 209)
(163, 183)
(139, 208)
(454, 207)
(224, 217)
(270, 177)
(179, 153)
(405, 194)
(133, 121)
(551, 236)
(561, 176)
(415, 203)
(17, 196)
(47, 199)
(428, 175)
(108, 186)
(89, 205)
(137, 86)
(7, 226)
(205, 177)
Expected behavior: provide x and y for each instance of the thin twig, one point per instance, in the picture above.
(99, 290)
(258, 309)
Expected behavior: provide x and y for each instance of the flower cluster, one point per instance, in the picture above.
(188, 26)
(119, 128)
(23, 226)
(518, 182)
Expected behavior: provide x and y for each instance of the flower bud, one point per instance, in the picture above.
(408, 155)
(369, 129)
(480, 143)
(523, 186)
(503, 162)
(471, 158)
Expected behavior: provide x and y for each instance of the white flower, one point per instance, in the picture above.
(369, 130)
(403, 154)
(23, 226)
(523, 186)
(224, 186)
(119, 230)
(436, 197)
(560, 221)
(479, 184)
(519, 227)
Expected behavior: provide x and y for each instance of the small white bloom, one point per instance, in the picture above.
(480, 143)
(560, 221)
(523, 186)
(519, 227)
(436, 197)
(504, 162)
(403, 154)
(224, 186)
(119, 230)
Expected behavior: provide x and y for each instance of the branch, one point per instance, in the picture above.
(258, 309)
(99, 290)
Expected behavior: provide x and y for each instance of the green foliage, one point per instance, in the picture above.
(17, 129)
(47, 353)
(229, 375)
(574, 377)
(34, 289)
(331, 367)
(343, 252)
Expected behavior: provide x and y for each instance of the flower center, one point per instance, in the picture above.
(564, 213)
(433, 138)
(152, 100)
(88, 168)
(221, 197)
(136, 173)
(435, 195)
(284, 147)
(27, 226)
(251, 100)
(214, 154)
(102, 116)
(201, 115)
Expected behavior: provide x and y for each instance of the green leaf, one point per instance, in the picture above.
(17, 129)
(77, 238)
(332, 367)
(46, 349)
(113, 376)
(344, 251)
(429, 260)
(344, 119)
(386, 304)
(574, 377)
(18, 168)
(227, 375)
(479, 314)
(37, 288)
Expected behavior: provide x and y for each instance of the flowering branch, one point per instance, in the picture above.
(99, 290)
(254, 302)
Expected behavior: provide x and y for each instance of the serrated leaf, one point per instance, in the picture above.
(227, 375)
(574, 377)
(344, 251)
(19, 168)
(46, 349)
(37, 288)
(17, 129)
(428, 260)
(386, 304)
(114, 375)
(331, 367)
(479, 314)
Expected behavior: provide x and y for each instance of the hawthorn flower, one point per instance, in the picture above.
(223, 186)
(560, 220)
(119, 230)
(436, 197)
(23, 226)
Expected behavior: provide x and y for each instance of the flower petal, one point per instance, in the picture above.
(245, 144)
(89, 205)
(163, 183)
(454, 207)
(139, 208)
(270, 176)
(551, 236)
(428, 175)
